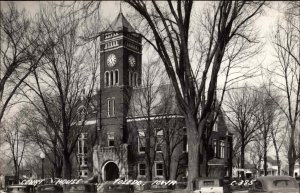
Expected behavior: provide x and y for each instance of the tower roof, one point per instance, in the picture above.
(120, 24)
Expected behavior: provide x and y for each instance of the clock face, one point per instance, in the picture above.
(131, 60)
(111, 60)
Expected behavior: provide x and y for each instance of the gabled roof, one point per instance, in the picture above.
(120, 24)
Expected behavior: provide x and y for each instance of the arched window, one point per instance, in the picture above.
(106, 78)
(116, 77)
(112, 78)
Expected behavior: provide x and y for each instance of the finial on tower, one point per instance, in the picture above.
(120, 6)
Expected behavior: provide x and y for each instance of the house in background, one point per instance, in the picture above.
(272, 167)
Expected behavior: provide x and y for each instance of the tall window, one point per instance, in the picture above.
(132, 79)
(142, 169)
(141, 142)
(111, 78)
(108, 107)
(116, 77)
(80, 146)
(113, 107)
(159, 169)
(215, 147)
(129, 79)
(222, 149)
(135, 79)
(106, 78)
(215, 127)
(159, 134)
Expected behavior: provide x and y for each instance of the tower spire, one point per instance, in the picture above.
(120, 6)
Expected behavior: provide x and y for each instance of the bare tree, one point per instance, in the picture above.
(166, 27)
(285, 76)
(16, 141)
(243, 105)
(40, 133)
(256, 154)
(21, 52)
(173, 130)
(267, 113)
(169, 24)
(143, 103)
(278, 135)
(60, 85)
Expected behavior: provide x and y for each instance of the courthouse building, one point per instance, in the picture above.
(113, 144)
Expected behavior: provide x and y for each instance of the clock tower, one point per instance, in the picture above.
(120, 68)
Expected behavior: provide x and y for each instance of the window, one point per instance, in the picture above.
(80, 146)
(132, 80)
(158, 146)
(106, 79)
(129, 79)
(83, 173)
(159, 169)
(82, 160)
(215, 147)
(85, 150)
(108, 107)
(108, 35)
(111, 139)
(85, 161)
(136, 79)
(142, 169)
(111, 78)
(222, 149)
(113, 107)
(159, 134)
(141, 142)
(215, 127)
(116, 77)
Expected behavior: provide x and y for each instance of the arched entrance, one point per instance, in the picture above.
(110, 171)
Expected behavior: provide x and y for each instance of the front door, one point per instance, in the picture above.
(111, 171)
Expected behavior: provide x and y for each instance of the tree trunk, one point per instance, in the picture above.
(243, 158)
(148, 171)
(204, 171)
(265, 156)
(67, 167)
(58, 171)
(292, 155)
(16, 178)
(193, 153)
